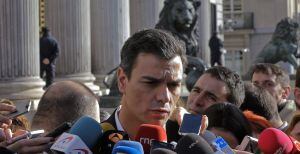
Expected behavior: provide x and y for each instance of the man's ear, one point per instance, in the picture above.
(122, 80)
(286, 92)
(297, 95)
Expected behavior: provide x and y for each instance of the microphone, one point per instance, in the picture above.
(218, 144)
(163, 145)
(162, 151)
(128, 147)
(221, 145)
(208, 136)
(147, 133)
(193, 143)
(109, 139)
(124, 150)
(82, 137)
(273, 140)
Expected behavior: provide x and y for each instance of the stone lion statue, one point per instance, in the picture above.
(283, 45)
(180, 18)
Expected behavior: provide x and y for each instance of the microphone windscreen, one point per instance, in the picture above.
(208, 136)
(147, 133)
(109, 139)
(193, 143)
(131, 144)
(273, 140)
(125, 150)
(88, 129)
(162, 151)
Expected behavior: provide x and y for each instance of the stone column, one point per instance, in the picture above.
(110, 29)
(204, 25)
(144, 14)
(19, 50)
(69, 21)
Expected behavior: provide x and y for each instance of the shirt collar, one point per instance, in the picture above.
(117, 120)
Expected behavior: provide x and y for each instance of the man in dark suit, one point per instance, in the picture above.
(49, 51)
(215, 45)
(149, 78)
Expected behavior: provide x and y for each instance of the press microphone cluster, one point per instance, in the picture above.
(86, 134)
(153, 139)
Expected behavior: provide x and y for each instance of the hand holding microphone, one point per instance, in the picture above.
(36, 145)
(5, 121)
(177, 114)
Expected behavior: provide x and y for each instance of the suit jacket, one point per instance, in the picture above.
(110, 123)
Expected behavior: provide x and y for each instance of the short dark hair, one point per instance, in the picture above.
(297, 80)
(65, 101)
(260, 101)
(230, 118)
(233, 82)
(154, 41)
(282, 76)
(45, 30)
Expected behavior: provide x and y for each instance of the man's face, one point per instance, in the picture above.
(269, 83)
(207, 91)
(149, 96)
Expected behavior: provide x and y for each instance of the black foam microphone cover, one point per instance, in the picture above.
(193, 143)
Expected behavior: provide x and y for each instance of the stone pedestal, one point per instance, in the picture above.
(110, 29)
(144, 14)
(69, 22)
(19, 50)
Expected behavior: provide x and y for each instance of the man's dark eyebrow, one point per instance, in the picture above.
(269, 81)
(212, 94)
(151, 78)
(176, 81)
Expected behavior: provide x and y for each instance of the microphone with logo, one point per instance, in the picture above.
(193, 143)
(128, 147)
(210, 137)
(273, 140)
(217, 143)
(109, 139)
(82, 137)
(147, 133)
